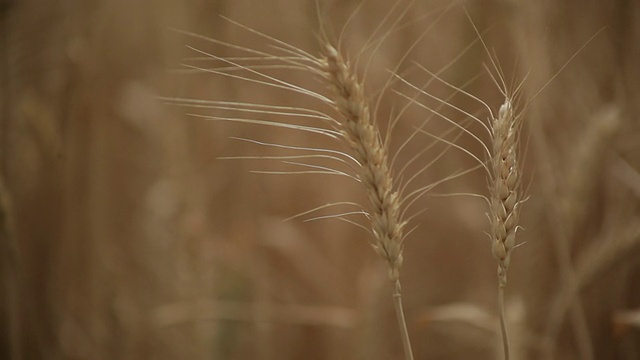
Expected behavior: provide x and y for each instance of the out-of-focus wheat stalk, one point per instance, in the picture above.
(587, 161)
(9, 265)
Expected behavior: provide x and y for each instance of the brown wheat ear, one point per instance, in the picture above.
(363, 137)
(505, 189)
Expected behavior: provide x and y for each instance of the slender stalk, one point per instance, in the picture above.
(503, 322)
(402, 322)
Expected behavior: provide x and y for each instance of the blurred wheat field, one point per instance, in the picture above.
(125, 236)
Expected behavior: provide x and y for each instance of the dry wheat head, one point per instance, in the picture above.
(505, 189)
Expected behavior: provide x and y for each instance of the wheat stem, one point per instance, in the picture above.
(503, 323)
(402, 322)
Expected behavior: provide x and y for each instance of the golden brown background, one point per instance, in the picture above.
(123, 236)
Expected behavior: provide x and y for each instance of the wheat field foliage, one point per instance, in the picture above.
(207, 179)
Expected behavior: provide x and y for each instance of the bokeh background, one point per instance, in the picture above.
(124, 236)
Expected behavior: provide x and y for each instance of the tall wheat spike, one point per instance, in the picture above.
(501, 166)
(505, 190)
(505, 199)
(363, 137)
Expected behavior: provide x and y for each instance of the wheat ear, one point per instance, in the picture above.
(506, 197)
(505, 189)
(363, 137)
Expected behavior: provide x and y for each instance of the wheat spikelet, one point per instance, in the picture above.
(505, 192)
(363, 137)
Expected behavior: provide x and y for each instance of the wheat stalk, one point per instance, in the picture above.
(363, 137)
(505, 199)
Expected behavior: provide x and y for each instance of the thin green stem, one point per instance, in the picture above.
(402, 322)
(503, 322)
